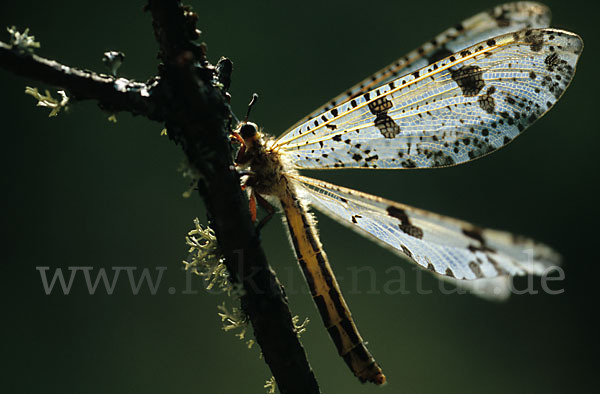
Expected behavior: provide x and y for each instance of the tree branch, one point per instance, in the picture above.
(201, 126)
(112, 94)
(189, 96)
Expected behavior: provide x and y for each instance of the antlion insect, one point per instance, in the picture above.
(464, 94)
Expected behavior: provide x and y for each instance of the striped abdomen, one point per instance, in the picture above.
(326, 292)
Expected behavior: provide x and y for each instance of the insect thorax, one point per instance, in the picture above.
(267, 167)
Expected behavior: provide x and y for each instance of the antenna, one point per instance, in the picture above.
(252, 102)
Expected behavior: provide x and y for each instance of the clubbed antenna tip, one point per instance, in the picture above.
(252, 102)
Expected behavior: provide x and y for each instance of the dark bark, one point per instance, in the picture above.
(113, 94)
(197, 115)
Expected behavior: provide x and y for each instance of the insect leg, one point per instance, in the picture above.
(267, 206)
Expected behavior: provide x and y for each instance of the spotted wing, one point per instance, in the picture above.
(457, 109)
(445, 246)
(493, 22)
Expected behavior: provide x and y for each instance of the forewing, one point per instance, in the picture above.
(493, 22)
(457, 109)
(440, 244)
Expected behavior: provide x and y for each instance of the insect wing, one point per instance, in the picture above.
(491, 23)
(443, 245)
(457, 109)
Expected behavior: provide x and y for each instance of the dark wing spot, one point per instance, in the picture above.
(474, 233)
(552, 61)
(469, 79)
(381, 105)
(476, 269)
(536, 41)
(386, 125)
(409, 163)
(406, 251)
(398, 214)
(405, 225)
(501, 15)
(487, 103)
(440, 158)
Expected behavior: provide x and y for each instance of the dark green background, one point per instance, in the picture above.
(80, 191)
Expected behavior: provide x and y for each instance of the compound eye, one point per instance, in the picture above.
(248, 130)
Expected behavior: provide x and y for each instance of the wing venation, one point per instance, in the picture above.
(440, 244)
(491, 23)
(453, 111)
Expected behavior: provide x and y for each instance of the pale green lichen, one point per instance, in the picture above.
(23, 41)
(192, 175)
(235, 319)
(300, 328)
(48, 101)
(271, 385)
(206, 261)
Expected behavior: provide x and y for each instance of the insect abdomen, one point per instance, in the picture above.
(326, 292)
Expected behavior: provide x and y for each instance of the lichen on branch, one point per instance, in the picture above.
(189, 96)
